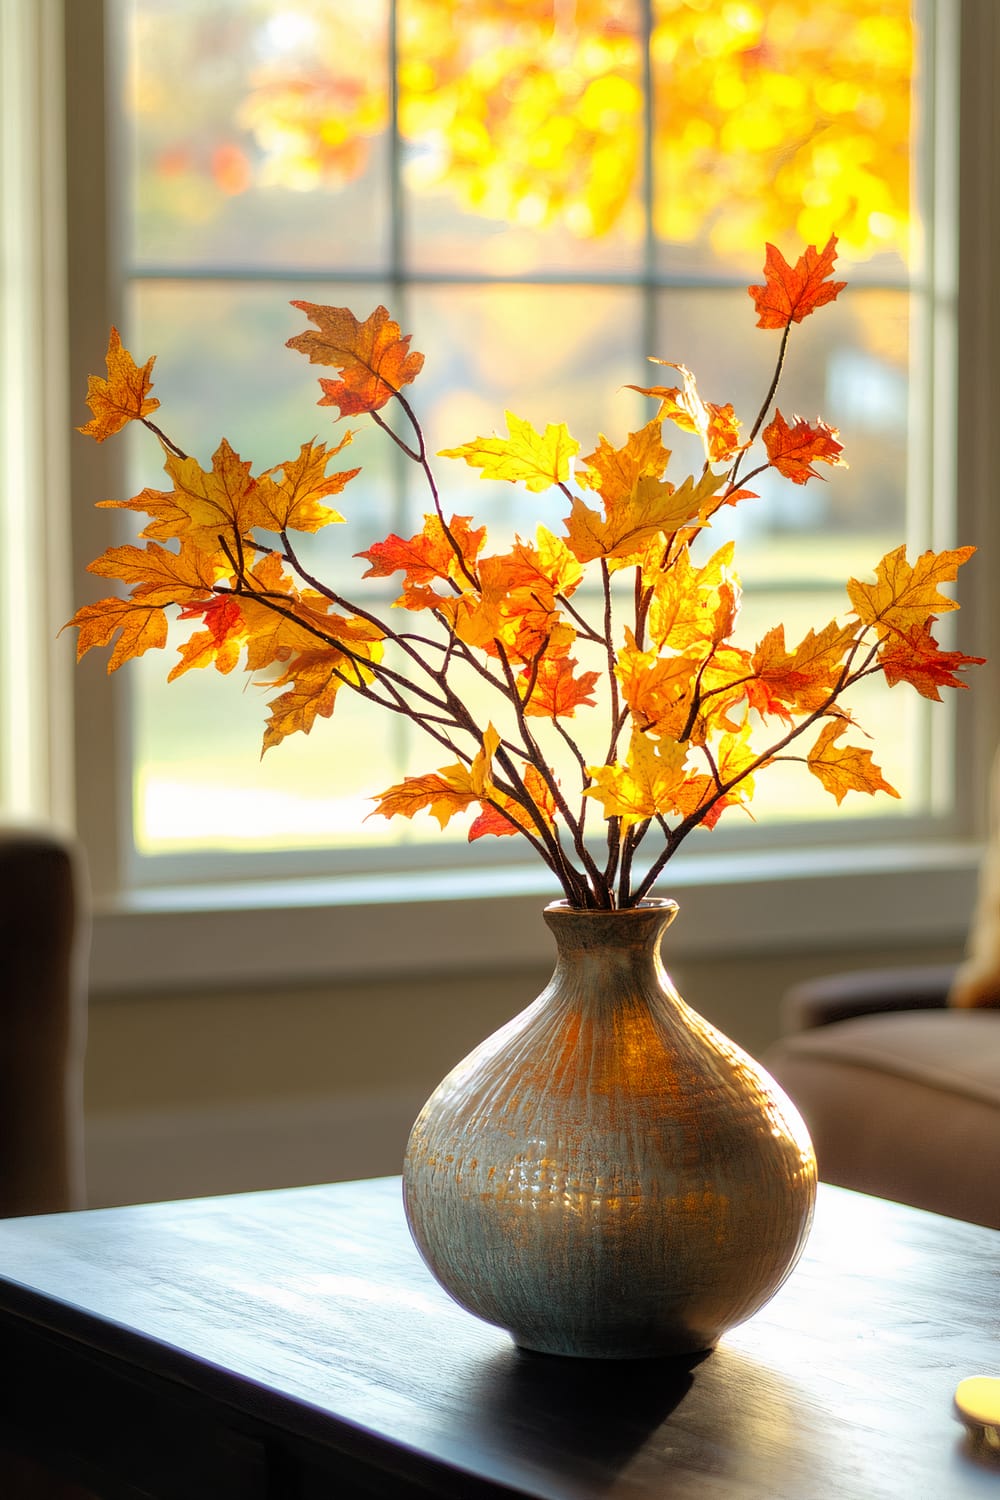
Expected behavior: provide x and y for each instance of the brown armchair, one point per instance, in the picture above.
(897, 1072)
(900, 1089)
(44, 937)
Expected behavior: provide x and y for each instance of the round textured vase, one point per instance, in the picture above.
(608, 1175)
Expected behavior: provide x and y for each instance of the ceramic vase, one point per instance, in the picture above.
(608, 1176)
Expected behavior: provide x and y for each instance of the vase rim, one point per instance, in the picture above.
(649, 904)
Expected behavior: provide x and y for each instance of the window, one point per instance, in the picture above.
(612, 197)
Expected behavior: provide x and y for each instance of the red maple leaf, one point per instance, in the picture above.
(792, 450)
(221, 615)
(915, 657)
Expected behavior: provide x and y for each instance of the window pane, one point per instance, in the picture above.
(550, 354)
(223, 371)
(255, 133)
(851, 368)
(523, 130)
(551, 192)
(783, 122)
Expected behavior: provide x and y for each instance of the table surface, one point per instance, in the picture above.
(269, 1344)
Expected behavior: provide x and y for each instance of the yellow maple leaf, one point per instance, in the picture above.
(481, 771)
(216, 501)
(645, 785)
(203, 504)
(538, 460)
(845, 768)
(651, 506)
(167, 519)
(293, 502)
(614, 472)
(121, 398)
(903, 595)
(688, 603)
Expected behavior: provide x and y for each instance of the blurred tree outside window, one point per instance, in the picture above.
(544, 192)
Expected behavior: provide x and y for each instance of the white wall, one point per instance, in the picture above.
(230, 1090)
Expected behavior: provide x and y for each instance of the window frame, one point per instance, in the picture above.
(857, 889)
(36, 775)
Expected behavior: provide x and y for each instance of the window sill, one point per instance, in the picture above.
(303, 931)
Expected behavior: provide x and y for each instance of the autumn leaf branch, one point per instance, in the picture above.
(697, 701)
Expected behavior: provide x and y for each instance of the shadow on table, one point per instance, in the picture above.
(582, 1414)
(661, 1419)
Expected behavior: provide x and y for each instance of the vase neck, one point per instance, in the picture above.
(624, 942)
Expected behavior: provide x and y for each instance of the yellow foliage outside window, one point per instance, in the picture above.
(770, 118)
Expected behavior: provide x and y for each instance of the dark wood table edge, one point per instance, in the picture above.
(273, 1418)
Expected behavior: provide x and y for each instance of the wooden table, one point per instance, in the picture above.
(291, 1344)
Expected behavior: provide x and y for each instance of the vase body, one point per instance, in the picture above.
(608, 1176)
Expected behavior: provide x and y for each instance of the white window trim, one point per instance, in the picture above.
(366, 927)
(35, 568)
(854, 897)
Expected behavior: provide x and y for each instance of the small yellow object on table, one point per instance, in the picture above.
(977, 1401)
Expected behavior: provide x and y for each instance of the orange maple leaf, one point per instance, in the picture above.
(433, 793)
(316, 677)
(500, 821)
(557, 692)
(904, 595)
(651, 506)
(717, 426)
(915, 657)
(220, 644)
(142, 626)
(518, 620)
(546, 568)
(430, 554)
(503, 816)
(374, 359)
(791, 293)
(734, 756)
(793, 450)
(446, 792)
(656, 688)
(845, 768)
(519, 624)
(121, 398)
(271, 636)
(806, 677)
(157, 574)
